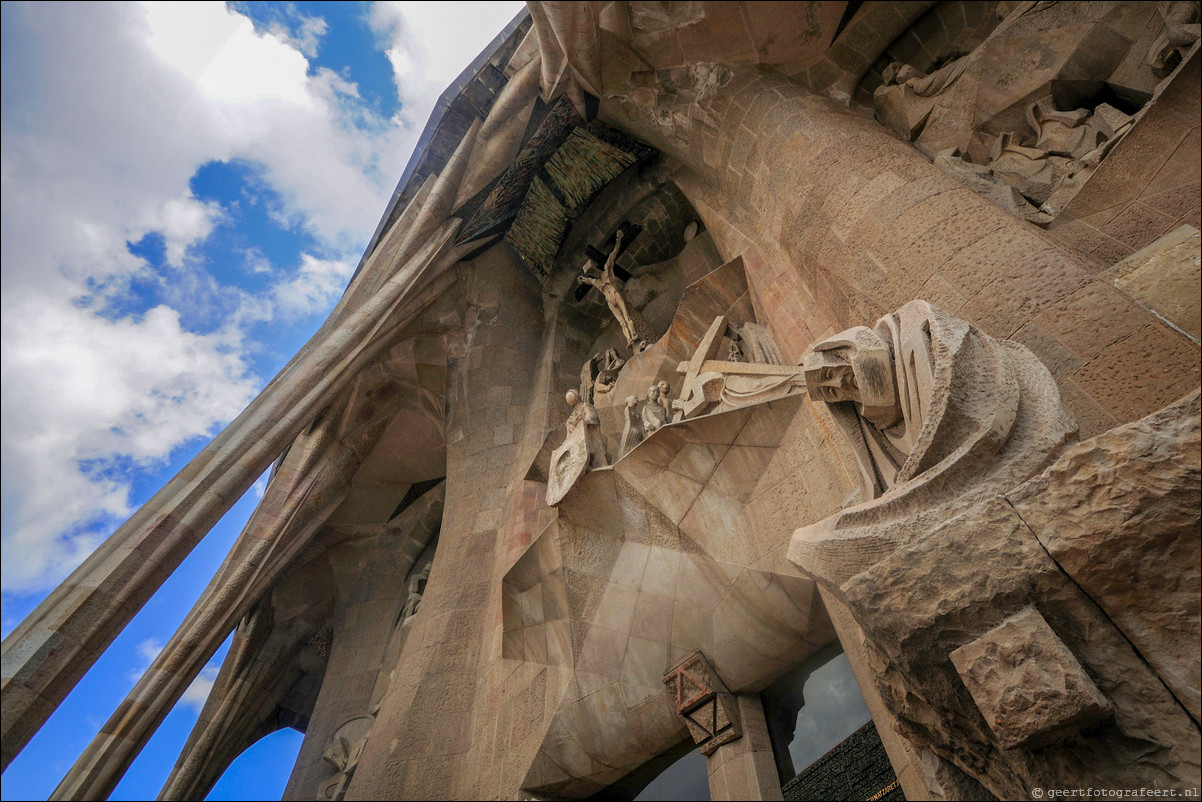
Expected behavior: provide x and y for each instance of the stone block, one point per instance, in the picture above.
(1165, 278)
(1120, 514)
(1027, 684)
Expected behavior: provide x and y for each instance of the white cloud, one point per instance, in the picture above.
(182, 222)
(427, 54)
(308, 33)
(109, 110)
(315, 287)
(96, 388)
(425, 50)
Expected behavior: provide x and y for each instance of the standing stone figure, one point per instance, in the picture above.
(606, 282)
(633, 431)
(665, 400)
(583, 449)
(655, 415)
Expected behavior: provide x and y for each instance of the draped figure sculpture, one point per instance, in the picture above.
(936, 412)
(583, 449)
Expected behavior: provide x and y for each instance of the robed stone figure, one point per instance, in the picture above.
(583, 449)
(937, 413)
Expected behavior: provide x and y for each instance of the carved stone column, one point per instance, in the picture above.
(729, 729)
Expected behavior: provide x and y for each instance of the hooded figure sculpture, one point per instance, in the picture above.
(937, 412)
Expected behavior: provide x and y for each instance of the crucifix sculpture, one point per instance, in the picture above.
(606, 282)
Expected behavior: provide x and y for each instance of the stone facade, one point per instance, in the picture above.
(894, 347)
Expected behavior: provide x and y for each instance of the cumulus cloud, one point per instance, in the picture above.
(109, 111)
(423, 49)
(315, 283)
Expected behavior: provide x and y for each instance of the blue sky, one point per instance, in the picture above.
(186, 190)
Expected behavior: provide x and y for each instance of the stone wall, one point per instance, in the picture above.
(857, 768)
(844, 214)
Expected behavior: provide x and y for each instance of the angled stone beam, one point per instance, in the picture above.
(50, 650)
(234, 715)
(314, 479)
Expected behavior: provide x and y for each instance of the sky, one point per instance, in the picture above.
(187, 188)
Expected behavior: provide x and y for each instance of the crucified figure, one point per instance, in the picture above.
(607, 283)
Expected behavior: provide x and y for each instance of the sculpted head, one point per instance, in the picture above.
(653, 392)
(572, 397)
(632, 401)
(855, 365)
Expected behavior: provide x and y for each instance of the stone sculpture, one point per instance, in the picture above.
(665, 399)
(735, 353)
(655, 415)
(633, 431)
(713, 385)
(1044, 637)
(707, 706)
(599, 373)
(948, 426)
(606, 282)
(757, 344)
(417, 586)
(905, 98)
(583, 449)
(1035, 181)
(926, 402)
(1181, 30)
(342, 752)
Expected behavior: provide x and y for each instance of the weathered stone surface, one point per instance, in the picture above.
(1166, 278)
(967, 577)
(1027, 684)
(1120, 514)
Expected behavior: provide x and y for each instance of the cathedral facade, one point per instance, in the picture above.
(700, 342)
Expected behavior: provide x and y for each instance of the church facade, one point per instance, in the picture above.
(702, 341)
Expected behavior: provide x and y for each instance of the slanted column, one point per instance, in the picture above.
(729, 729)
(745, 768)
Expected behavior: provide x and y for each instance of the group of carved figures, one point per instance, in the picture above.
(752, 372)
(1032, 171)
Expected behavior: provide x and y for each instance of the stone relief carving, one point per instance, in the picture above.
(928, 404)
(942, 568)
(713, 385)
(417, 587)
(1181, 30)
(665, 399)
(607, 283)
(655, 414)
(758, 345)
(633, 431)
(906, 97)
(598, 375)
(342, 752)
(583, 449)
(1035, 180)
(974, 115)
